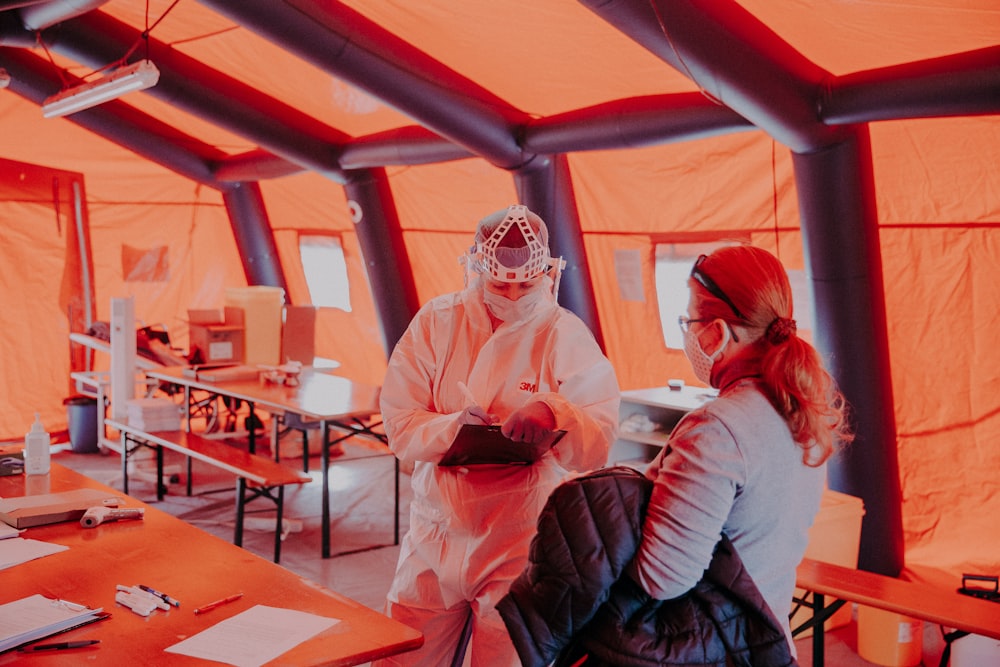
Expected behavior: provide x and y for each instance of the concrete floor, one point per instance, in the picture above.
(361, 492)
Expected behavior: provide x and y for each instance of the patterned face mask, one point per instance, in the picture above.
(508, 310)
(702, 363)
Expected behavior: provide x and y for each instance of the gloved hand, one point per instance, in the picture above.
(476, 415)
(531, 423)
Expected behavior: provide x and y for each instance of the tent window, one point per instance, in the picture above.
(673, 265)
(325, 270)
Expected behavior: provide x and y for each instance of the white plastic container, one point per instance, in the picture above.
(835, 537)
(262, 308)
(975, 651)
(889, 639)
(37, 455)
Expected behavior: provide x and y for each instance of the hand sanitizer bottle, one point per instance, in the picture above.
(36, 449)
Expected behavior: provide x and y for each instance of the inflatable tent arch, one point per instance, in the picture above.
(754, 82)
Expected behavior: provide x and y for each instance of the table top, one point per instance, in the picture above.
(684, 399)
(191, 565)
(319, 395)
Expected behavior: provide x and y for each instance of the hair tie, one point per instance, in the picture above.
(780, 330)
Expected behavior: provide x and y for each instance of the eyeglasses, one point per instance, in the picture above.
(686, 322)
(712, 287)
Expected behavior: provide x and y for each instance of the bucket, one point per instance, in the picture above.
(262, 314)
(81, 418)
(975, 651)
(890, 639)
(833, 538)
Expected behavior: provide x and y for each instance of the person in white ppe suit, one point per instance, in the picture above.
(501, 351)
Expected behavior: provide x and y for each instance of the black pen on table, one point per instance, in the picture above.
(163, 596)
(213, 605)
(59, 646)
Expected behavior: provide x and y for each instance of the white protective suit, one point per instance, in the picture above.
(470, 528)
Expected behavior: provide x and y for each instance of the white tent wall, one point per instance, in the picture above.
(936, 188)
(939, 207)
(38, 235)
(307, 203)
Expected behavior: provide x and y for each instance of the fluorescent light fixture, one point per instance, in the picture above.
(137, 76)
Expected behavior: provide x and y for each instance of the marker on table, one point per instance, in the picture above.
(59, 646)
(212, 605)
(163, 596)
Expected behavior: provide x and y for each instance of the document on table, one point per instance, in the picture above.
(36, 616)
(256, 636)
(8, 531)
(17, 550)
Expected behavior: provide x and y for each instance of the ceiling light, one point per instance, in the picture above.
(137, 76)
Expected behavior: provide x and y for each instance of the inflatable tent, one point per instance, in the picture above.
(859, 141)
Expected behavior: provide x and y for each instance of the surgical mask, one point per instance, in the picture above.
(508, 310)
(701, 363)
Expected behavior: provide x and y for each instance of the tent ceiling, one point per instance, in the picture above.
(475, 73)
(261, 89)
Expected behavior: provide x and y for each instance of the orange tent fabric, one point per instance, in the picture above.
(937, 186)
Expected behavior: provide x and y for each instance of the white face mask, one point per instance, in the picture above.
(507, 310)
(702, 363)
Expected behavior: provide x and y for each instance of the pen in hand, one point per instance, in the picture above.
(59, 646)
(472, 408)
(212, 605)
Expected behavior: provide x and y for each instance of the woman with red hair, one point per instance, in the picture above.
(749, 464)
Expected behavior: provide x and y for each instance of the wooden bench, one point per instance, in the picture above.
(948, 608)
(256, 476)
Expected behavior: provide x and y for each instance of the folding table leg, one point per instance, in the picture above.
(278, 524)
(241, 486)
(124, 437)
(159, 473)
(819, 630)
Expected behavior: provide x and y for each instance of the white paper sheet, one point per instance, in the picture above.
(8, 531)
(256, 636)
(17, 550)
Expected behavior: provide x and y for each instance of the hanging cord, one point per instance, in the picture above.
(144, 37)
(59, 70)
(774, 198)
(142, 41)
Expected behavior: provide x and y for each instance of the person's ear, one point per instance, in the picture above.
(712, 336)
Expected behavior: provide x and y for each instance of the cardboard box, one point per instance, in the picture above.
(298, 334)
(218, 336)
(28, 511)
(261, 306)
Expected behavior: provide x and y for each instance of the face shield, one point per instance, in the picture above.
(512, 246)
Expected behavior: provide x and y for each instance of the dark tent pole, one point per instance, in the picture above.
(545, 187)
(254, 240)
(840, 231)
(381, 240)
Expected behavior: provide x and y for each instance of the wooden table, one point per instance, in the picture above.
(927, 602)
(191, 565)
(332, 400)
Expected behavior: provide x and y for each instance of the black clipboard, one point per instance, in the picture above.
(486, 445)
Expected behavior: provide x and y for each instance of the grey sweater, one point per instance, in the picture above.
(729, 467)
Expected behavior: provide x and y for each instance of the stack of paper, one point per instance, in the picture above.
(31, 618)
(154, 414)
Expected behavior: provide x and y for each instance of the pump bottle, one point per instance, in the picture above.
(36, 449)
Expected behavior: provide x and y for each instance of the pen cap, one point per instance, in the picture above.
(36, 449)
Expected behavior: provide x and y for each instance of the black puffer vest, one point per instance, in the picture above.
(573, 597)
